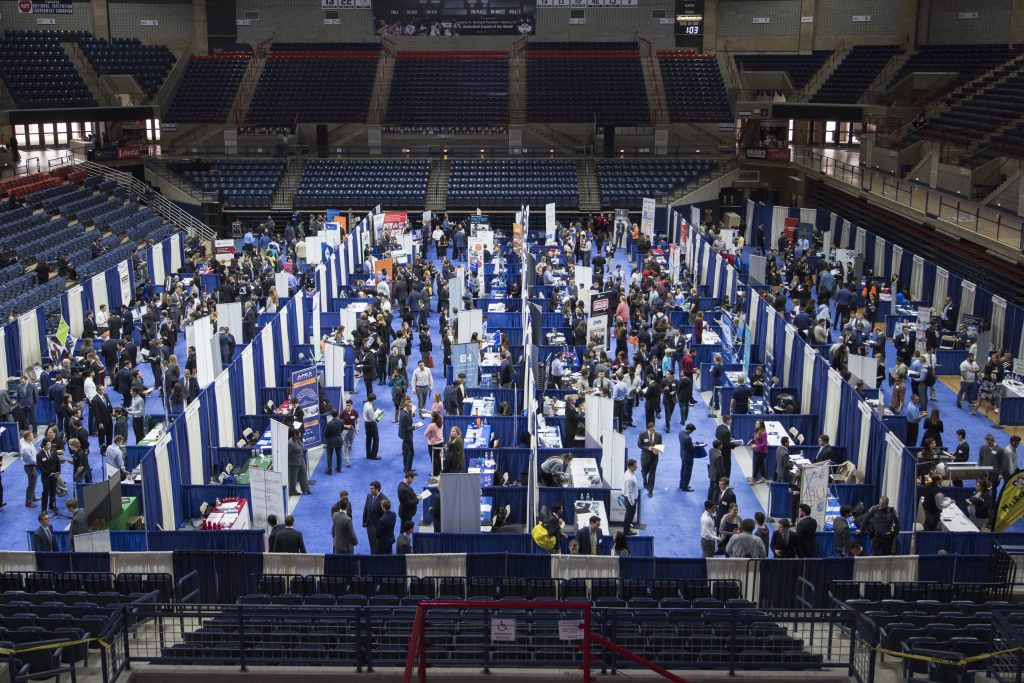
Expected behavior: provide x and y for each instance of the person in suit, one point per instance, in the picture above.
(42, 539)
(275, 528)
(949, 314)
(724, 497)
(332, 437)
(404, 545)
(841, 531)
(79, 519)
(572, 421)
(248, 323)
(297, 465)
(783, 463)
(687, 450)
(385, 529)
(372, 512)
(342, 531)
(783, 542)
(110, 349)
(806, 527)
(724, 436)
(405, 433)
(227, 346)
(591, 538)
(101, 408)
(48, 463)
(825, 452)
(649, 456)
(454, 453)
(288, 539)
(408, 501)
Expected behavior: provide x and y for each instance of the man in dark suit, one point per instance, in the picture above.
(723, 434)
(806, 527)
(123, 382)
(248, 323)
(385, 529)
(649, 456)
(506, 375)
(724, 497)
(89, 328)
(371, 514)
(42, 539)
(191, 386)
(783, 540)
(591, 538)
(127, 323)
(404, 545)
(275, 529)
(288, 540)
(405, 432)
(687, 451)
(949, 314)
(111, 349)
(129, 352)
(101, 408)
(825, 451)
(572, 422)
(227, 346)
(79, 519)
(344, 534)
(407, 499)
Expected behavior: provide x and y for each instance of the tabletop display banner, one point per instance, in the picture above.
(306, 392)
(814, 490)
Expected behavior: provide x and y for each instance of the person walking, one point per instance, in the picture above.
(27, 450)
(370, 419)
(297, 465)
(333, 434)
(406, 429)
(423, 384)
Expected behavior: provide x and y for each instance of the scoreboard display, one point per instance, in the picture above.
(690, 17)
(454, 17)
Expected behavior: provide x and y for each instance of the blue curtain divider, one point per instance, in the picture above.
(220, 457)
(515, 461)
(512, 496)
(257, 423)
(345, 565)
(634, 567)
(192, 497)
(128, 541)
(9, 437)
(507, 429)
(385, 565)
(475, 543)
(250, 540)
(931, 542)
(683, 568)
(640, 546)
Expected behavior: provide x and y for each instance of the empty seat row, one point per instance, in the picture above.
(857, 71)
(208, 88)
(694, 87)
(443, 89)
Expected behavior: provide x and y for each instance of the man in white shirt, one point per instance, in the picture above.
(708, 535)
(968, 380)
(423, 382)
(370, 422)
(89, 386)
(631, 494)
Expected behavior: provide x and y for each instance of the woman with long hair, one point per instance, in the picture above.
(760, 445)
(434, 435)
(454, 457)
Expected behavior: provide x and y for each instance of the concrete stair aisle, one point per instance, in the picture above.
(655, 88)
(589, 189)
(99, 91)
(516, 89)
(881, 81)
(822, 75)
(6, 99)
(437, 185)
(381, 88)
(1007, 196)
(284, 195)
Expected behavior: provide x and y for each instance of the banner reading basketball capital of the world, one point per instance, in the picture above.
(454, 17)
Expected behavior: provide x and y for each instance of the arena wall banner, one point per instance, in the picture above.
(454, 17)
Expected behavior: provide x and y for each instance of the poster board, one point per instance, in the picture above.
(647, 217)
(383, 265)
(814, 490)
(597, 331)
(393, 224)
(224, 250)
(268, 496)
(550, 223)
(334, 365)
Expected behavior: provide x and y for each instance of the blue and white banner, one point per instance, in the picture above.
(305, 392)
(466, 359)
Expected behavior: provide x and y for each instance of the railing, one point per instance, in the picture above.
(891, 67)
(939, 206)
(652, 68)
(364, 638)
(107, 97)
(163, 206)
(170, 85)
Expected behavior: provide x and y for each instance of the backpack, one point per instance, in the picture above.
(542, 538)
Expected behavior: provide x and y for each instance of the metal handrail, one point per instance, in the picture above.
(163, 206)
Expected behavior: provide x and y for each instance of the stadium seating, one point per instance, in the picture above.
(315, 83)
(363, 183)
(38, 72)
(149, 64)
(984, 113)
(449, 89)
(586, 83)
(694, 89)
(507, 183)
(799, 67)
(208, 89)
(246, 184)
(624, 183)
(966, 61)
(860, 67)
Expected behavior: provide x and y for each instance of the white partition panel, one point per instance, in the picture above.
(157, 265)
(194, 430)
(99, 291)
(808, 379)
(269, 365)
(832, 401)
(76, 315)
(282, 333)
(225, 413)
(28, 327)
(249, 380)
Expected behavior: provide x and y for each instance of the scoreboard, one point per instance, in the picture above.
(689, 23)
(454, 17)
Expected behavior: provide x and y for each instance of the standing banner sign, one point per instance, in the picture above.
(597, 331)
(125, 280)
(306, 392)
(622, 227)
(393, 225)
(476, 245)
(647, 218)
(466, 359)
(814, 490)
(549, 222)
(518, 238)
(224, 250)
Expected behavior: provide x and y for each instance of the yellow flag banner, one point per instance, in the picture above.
(1011, 502)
